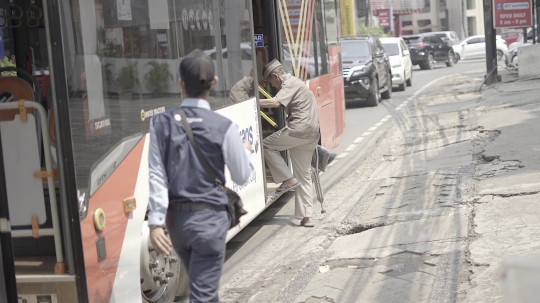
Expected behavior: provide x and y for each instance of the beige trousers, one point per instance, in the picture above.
(300, 151)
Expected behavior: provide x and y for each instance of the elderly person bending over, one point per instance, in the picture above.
(300, 137)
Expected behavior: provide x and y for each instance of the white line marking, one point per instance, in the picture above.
(351, 147)
(359, 139)
(342, 155)
(366, 134)
(372, 128)
(378, 124)
(333, 162)
(386, 118)
(398, 108)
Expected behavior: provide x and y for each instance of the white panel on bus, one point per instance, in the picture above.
(21, 161)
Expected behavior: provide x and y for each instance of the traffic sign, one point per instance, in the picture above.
(512, 13)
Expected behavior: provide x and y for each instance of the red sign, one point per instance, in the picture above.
(512, 13)
(384, 18)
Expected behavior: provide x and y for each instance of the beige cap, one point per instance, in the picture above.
(270, 67)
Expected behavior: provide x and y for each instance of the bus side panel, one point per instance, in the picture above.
(334, 54)
(109, 197)
(339, 108)
(323, 90)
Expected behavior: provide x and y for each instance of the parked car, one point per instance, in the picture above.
(511, 36)
(475, 47)
(520, 40)
(511, 57)
(428, 49)
(447, 35)
(400, 61)
(366, 70)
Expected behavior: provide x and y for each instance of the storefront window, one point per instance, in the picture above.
(122, 60)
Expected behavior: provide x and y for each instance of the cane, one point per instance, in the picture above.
(317, 183)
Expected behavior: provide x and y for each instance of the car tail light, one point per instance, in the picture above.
(421, 46)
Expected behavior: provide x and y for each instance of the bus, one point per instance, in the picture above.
(80, 81)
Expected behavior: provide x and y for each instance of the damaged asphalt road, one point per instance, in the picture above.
(450, 190)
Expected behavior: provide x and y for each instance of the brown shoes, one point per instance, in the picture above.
(307, 222)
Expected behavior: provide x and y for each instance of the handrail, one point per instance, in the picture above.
(60, 266)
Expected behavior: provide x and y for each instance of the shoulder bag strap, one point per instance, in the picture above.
(196, 148)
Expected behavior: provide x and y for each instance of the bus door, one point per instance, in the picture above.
(303, 36)
(44, 237)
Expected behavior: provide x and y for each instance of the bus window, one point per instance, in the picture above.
(305, 57)
(124, 58)
(331, 20)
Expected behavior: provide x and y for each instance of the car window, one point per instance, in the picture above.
(380, 47)
(453, 35)
(392, 49)
(436, 40)
(441, 35)
(355, 49)
(403, 45)
(413, 39)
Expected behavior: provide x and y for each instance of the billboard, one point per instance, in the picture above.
(348, 18)
(512, 13)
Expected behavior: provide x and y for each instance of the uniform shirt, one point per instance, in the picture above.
(235, 156)
(301, 108)
(242, 90)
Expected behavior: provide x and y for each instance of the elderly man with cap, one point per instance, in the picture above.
(299, 137)
(183, 197)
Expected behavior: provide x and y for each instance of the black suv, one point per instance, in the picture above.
(428, 49)
(366, 70)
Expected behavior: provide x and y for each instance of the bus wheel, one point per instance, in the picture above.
(163, 278)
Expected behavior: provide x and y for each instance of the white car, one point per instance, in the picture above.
(400, 61)
(475, 47)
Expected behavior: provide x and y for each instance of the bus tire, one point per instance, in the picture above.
(173, 281)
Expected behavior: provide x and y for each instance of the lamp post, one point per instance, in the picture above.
(391, 10)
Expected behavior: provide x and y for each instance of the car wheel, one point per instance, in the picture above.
(373, 98)
(388, 93)
(500, 54)
(456, 58)
(450, 59)
(409, 81)
(430, 64)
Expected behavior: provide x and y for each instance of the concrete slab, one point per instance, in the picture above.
(364, 254)
(433, 229)
(419, 277)
(516, 234)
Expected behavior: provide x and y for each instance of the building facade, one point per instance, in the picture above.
(465, 17)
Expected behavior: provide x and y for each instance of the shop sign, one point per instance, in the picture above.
(123, 8)
(512, 13)
(384, 18)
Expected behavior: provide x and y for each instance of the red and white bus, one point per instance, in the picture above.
(80, 80)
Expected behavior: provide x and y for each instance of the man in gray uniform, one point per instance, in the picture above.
(243, 89)
(183, 196)
(300, 137)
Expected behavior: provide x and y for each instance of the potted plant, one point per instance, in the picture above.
(157, 79)
(127, 79)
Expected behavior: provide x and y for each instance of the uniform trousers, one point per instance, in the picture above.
(198, 238)
(301, 152)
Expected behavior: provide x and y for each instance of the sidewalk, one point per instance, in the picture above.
(455, 190)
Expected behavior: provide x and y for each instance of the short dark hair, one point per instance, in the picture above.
(195, 92)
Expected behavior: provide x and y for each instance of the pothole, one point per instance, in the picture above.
(350, 229)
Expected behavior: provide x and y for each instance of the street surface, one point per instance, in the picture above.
(419, 202)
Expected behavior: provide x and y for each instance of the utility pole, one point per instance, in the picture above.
(491, 51)
(391, 10)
